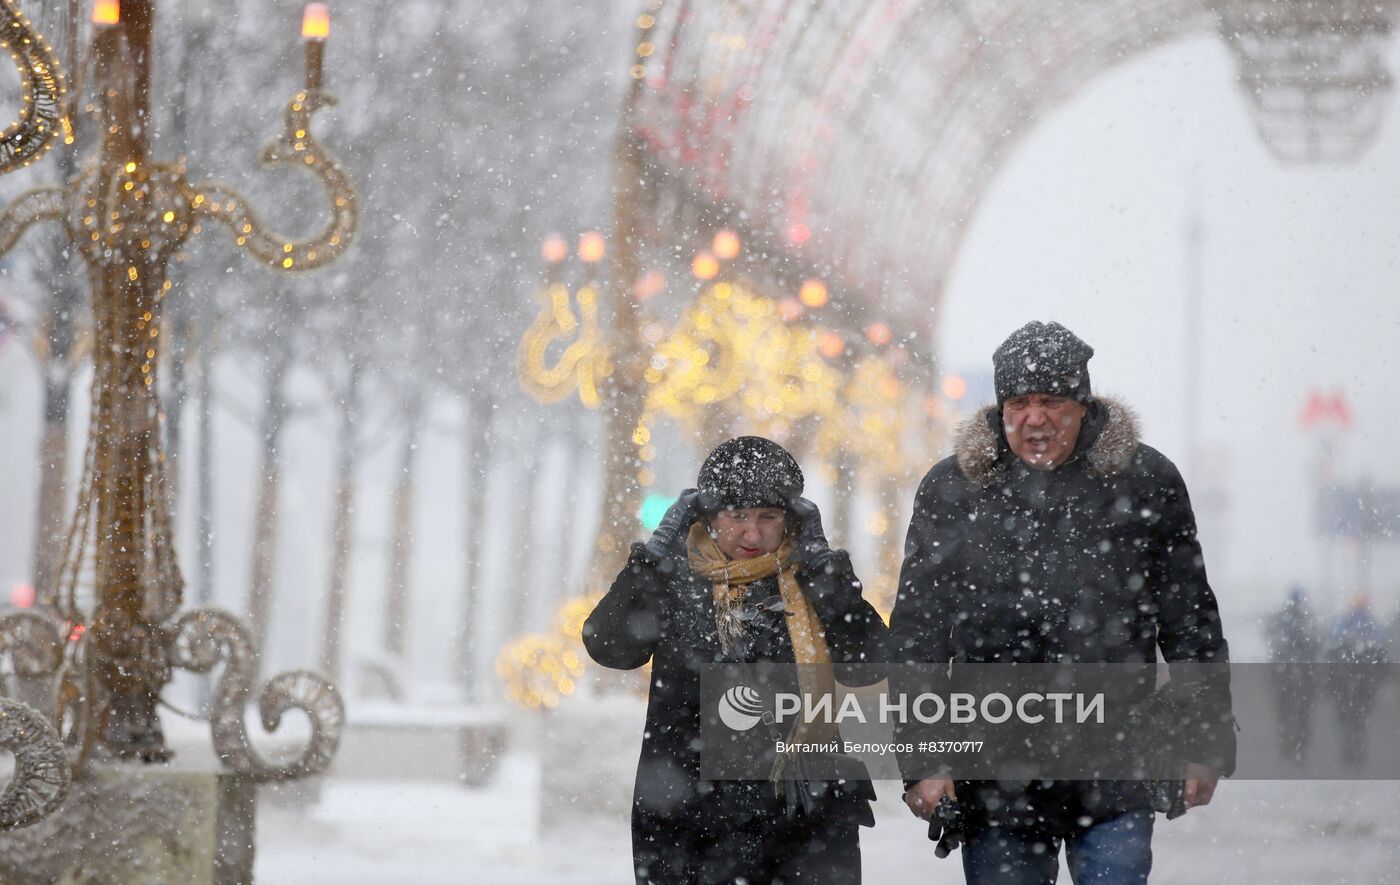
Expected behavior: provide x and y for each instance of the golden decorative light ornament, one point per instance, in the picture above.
(704, 265)
(591, 247)
(813, 293)
(726, 245)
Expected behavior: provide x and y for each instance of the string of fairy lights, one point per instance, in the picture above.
(538, 670)
(769, 363)
(41, 115)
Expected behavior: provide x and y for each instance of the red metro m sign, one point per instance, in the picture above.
(1322, 409)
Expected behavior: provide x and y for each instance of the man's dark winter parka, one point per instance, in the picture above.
(1095, 561)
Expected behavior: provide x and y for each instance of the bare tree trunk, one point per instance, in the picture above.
(51, 523)
(556, 567)
(524, 598)
(891, 542)
(56, 364)
(174, 401)
(204, 504)
(476, 459)
(342, 526)
(397, 611)
(623, 390)
(265, 519)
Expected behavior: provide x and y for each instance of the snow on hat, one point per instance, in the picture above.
(748, 471)
(1042, 358)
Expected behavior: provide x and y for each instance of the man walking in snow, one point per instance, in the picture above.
(1053, 535)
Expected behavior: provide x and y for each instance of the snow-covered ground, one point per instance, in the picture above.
(392, 832)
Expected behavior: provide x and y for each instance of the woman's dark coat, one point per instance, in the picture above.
(685, 829)
(1095, 561)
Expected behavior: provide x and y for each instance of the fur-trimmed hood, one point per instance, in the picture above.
(978, 449)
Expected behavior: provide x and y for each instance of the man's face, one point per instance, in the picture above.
(754, 531)
(1041, 428)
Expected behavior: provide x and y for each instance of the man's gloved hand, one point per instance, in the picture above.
(669, 537)
(813, 551)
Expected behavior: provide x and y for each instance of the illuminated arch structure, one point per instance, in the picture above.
(856, 140)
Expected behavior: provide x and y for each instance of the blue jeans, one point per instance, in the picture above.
(1116, 851)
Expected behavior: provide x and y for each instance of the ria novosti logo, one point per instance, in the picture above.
(741, 708)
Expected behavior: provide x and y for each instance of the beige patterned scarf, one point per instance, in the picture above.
(730, 579)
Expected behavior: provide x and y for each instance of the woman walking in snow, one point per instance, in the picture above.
(739, 571)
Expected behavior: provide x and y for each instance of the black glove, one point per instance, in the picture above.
(669, 537)
(813, 551)
(946, 826)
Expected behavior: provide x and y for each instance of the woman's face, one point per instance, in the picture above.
(753, 531)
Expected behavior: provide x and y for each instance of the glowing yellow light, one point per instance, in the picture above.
(132, 275)
(131, 167)
(954, 387)
(644, 49)
(726, 245)
(877, 524)
(286, 262)
(591, 247)
(813, 293)
(641, 435)
(106, 12)
(704, 265)
(554, 249)
(315, 21)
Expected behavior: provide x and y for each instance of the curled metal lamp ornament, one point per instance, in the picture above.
(296, 147)
(41, 776)
(33, 644)
(702, 361)
(732, 349)
(582, 361)
(202, 639)
(41, 79)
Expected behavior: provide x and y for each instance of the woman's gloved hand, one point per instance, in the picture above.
(813, 551)
(669, 537)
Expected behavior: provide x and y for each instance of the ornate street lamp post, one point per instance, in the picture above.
(127, 214)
